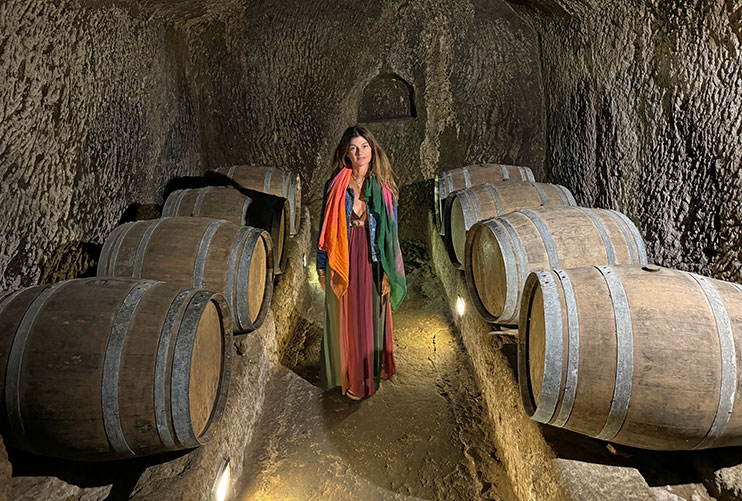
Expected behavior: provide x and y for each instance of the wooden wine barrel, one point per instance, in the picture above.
(238, 206)
(270, 180)
(465, 177)
(502, 251)
(484, 201)
(111, 368)
(642, 356)
(213, 254)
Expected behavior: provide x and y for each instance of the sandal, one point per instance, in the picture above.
(352, 396)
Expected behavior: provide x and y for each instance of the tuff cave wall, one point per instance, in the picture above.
(103, 103)
(642, 102)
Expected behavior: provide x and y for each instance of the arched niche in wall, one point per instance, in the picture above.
(387, 97)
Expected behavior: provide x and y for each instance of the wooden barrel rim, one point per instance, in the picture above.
(243, 274)
(112, 364)
(508, 254)
(180, 378)
(727, 390)
(15, 361)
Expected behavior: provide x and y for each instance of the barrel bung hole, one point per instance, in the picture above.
(535, 331)
(206, 367)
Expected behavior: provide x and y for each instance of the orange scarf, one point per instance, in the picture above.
(334, 233)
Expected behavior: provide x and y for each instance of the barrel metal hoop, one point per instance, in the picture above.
(230, 172)
(504, 237)
(111, 268)
(607, 244)
(552, 378)
(180, 379)
(519, 251)
(179, 201)
(112, 365)
(728, 388)
(466, 209)
(467, 177)
(285, 176)
(106, 251)
(624, 355)
(236, 246)
(199, 201)
(15, 361)
(528, 174)
(626, 234)
(441, 184)
(167, 209)
(541, 194)
(7, 299)
(267, 180)
(243, 281)
(573, 349)
(288, 184)
(560, 191)
(637, 237)
(142, 248)
(505, 172)
(570, 196)
(546, 237)
(449, 175)
(161, 366)
(203, 252)
(475, 206)
(496, 199)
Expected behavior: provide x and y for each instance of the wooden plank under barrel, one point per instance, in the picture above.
(642, 356)
(111, 368)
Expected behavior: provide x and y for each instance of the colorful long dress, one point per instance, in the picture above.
(357, 345)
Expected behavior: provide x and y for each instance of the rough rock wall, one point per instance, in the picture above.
(278, 84)
(103, 102)
(94, 116)
(642, 106)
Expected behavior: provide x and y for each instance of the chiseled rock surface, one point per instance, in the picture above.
(94, 115)
(642, 109)
(105, 102)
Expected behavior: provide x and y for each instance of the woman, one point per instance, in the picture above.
(359, 265)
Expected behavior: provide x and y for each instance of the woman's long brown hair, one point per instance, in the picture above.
(380, 166)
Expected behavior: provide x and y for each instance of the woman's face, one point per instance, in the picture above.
(359, 152)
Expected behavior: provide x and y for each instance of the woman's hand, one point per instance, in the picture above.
(321, 278)
(385, 287)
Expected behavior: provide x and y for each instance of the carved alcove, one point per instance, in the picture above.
(387, 97)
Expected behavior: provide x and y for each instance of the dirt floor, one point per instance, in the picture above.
(424, 435)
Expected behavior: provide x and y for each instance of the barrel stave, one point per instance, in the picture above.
(63, 381)
(677, 371)
(171, 259)
(676, 375)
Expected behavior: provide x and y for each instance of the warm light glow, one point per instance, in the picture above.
(221, 487)
(304, 259)
(460, 306)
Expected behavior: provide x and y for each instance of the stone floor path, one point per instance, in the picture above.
(424, 435)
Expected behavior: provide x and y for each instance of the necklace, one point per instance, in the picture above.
(356, 181)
